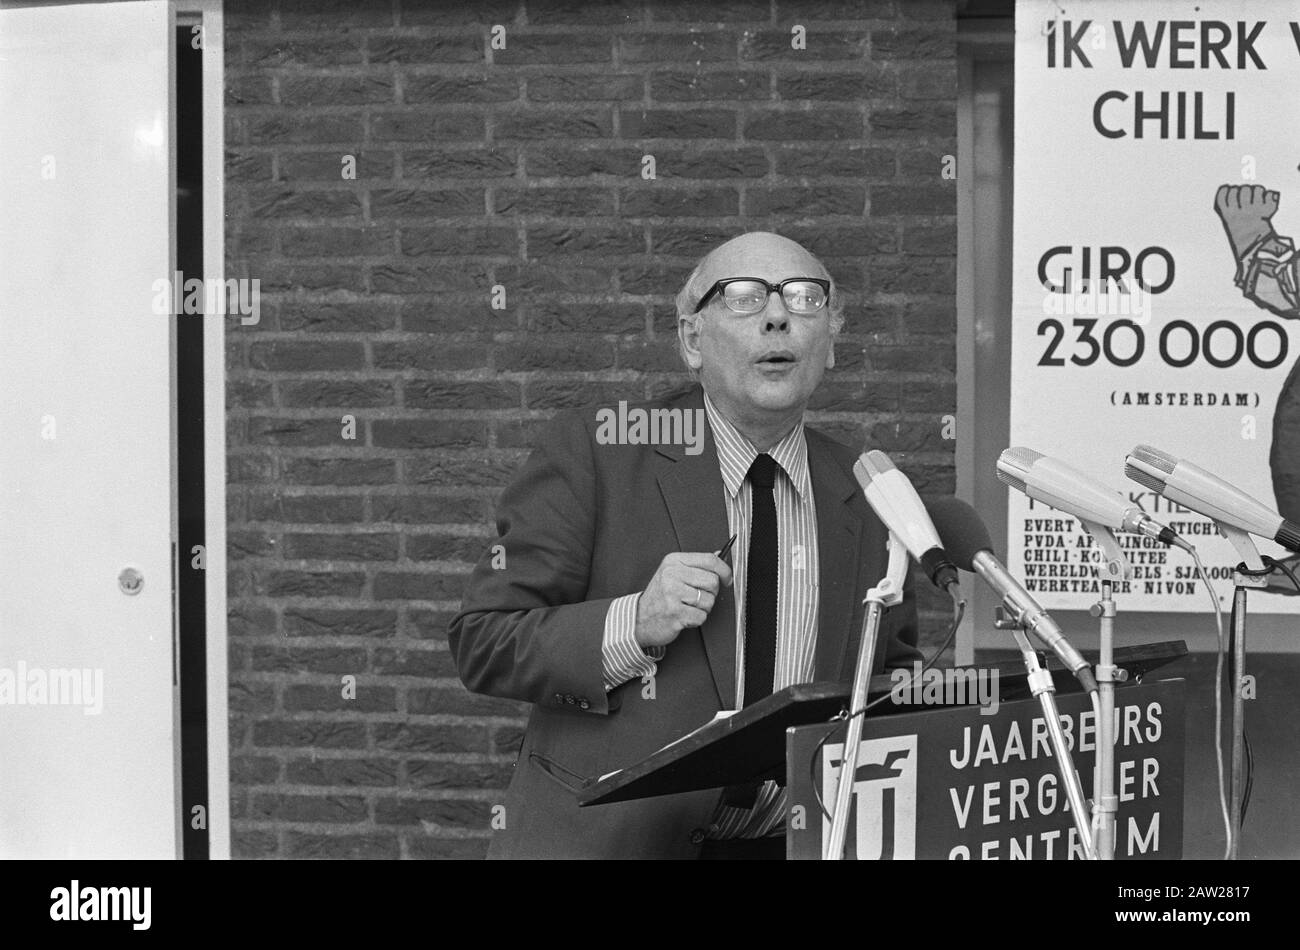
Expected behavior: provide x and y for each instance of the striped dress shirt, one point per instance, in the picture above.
(796, 601)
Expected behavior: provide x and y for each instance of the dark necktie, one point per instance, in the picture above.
(760, 604)
(760, 583)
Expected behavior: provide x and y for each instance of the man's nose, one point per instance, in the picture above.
(775, 316)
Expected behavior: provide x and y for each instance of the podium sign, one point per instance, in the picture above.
(954, 783)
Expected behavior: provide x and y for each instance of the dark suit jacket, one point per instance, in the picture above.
(584, 523)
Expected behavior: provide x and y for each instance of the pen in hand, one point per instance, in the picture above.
(671, 603)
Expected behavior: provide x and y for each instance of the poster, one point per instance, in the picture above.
(1157, 193)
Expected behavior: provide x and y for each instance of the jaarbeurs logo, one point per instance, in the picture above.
(882, 811)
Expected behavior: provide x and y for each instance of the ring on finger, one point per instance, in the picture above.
(698, 593)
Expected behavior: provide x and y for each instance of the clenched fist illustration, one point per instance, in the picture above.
(1247, 214)
(1268, 274)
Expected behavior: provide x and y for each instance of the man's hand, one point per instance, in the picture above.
(1246, 212)
(680, 595)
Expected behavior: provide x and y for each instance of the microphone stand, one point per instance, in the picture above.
(887, 593)
(1105, 804)
(1249, 573)
(1040, 684)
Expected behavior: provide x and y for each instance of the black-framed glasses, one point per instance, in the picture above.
(750, 294)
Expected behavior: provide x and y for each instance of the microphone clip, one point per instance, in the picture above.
(1244, 545)
(888, 591)
(1113, 564)
(1004, 619)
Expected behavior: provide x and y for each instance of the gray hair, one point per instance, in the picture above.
(688, 298)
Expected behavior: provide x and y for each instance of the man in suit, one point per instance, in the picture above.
(603, 601)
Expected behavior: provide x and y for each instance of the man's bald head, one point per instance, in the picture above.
(756, 250)
(759, 367)
(755, 254)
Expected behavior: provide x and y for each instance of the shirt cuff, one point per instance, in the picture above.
(622, 658)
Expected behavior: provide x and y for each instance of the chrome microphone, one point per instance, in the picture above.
(1064, 487)
(898, 505)
(1193, 487)
(966, 538)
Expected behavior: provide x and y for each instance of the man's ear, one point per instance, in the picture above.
(830, 355)
(688, 335)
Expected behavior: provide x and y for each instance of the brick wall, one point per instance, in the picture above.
(519, 167)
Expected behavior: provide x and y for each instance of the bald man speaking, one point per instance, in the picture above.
(603, 601)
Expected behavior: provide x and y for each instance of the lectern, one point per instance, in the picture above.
(945, 779)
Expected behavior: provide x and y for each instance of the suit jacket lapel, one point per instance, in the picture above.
(693, 492)
(838, 550)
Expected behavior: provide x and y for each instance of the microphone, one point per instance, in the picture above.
(1193, 487)
(898, 505)
(1061, 486)
(966, 539)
